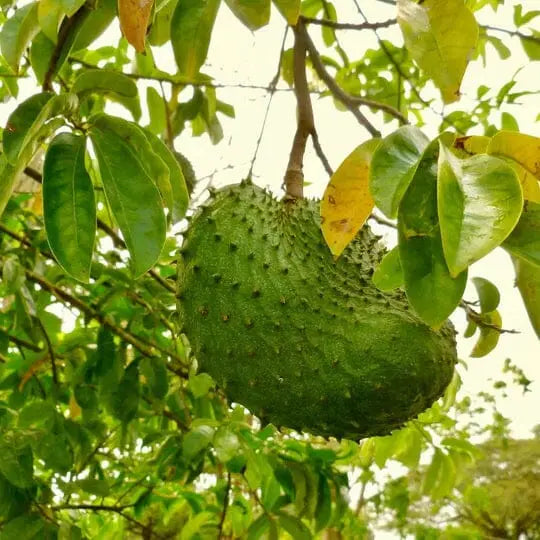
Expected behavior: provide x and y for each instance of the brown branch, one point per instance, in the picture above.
(349, 26)
(50, 350)
(294, 176)
(332, 85)
(146, 348)
(477, 318)
(382, 221)
(25, 344)
(319, 151)
(225, 506)
(515, 33)
(66, 36)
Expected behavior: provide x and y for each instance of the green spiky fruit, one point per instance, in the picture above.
(300, 339)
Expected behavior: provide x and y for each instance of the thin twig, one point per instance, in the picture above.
(477, 318)
(320, 152)
(382, 221)
(512, 33)
(349, 26)
(50, 349)
(225, 506)
(334, 88)
(272, 90)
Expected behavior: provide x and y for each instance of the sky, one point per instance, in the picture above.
(238, 56)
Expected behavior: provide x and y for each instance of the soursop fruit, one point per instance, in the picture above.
(300, 339)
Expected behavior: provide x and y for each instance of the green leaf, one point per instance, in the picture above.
(155, 373)
(489, 337)
(431, 290)
(104, 81)
(178, 199)
(17, 32)
(196, 440)
(19, 123)
(433, 472)
(50, 14)
(446, 478)
(70, 7)
(41, 52)
(226, 444)
(25, 527)
(126, 397)
(191, 29)
(488, 294)
(393, 167)
(157, 111)
(508, 122)
(69, 208)
(290, 9)
(95, 24)
(92, 485)
(294, 526)
(531, 46)
(323, 513)
(528, 283)
(524, 241)
(253, 13)
(127, 165)
(389, 274)
(200, 384)
(16, 464)
(441, 36)
(258, 527)
(479, 203)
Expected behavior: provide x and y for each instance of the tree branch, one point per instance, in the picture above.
(294, 176)
(516, 33)
(349, 26)
(225, 506)
(477, 318)
(334, 88)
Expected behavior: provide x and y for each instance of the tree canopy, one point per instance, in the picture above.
(108, 429)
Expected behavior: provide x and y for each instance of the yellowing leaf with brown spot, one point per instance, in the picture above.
(524, 150)
(134, 16)
(347, 202)
(441, 36)
(473, 144)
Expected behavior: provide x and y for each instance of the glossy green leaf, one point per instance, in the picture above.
(253, 13)
(479, 203)
(528, 283)
(488, 294)
(70, 7)
(20, 122)
(8, 177)
(389, 274)
(441, 36)
(431, 290)
(524, 241)
(69, 208)
(191, 30)
(489, 337)
(41, 52)
(127, 165)
(294, 526)
(50, 14)
(95, 24)
(17, 32)
(393, 167)
(201, 384)
(174, 190)
(290, 9)
(104, 81)
(29, 120)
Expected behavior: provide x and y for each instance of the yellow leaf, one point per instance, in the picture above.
(473, 144)
(74, 409)
(524, 151)
(347, 202)
(290, 9)
(489, 337)
(441, 36)
(134, 16)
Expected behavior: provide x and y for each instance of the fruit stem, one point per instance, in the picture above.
(294, 176)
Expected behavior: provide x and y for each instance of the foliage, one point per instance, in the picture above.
(107, 429)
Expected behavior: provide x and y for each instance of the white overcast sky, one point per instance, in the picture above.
(239, 56)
